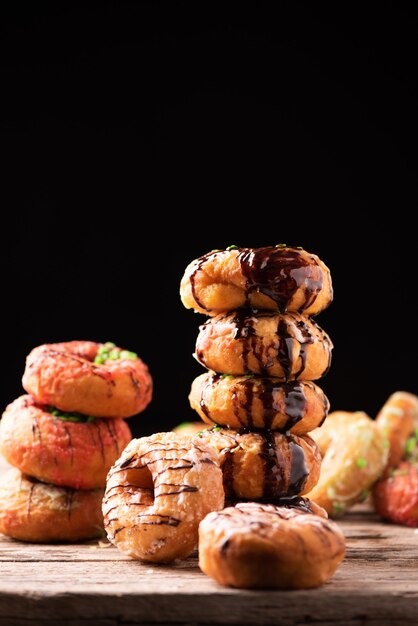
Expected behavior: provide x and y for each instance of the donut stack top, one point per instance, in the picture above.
(260, 345)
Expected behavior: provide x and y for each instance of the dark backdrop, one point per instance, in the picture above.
(140, 135)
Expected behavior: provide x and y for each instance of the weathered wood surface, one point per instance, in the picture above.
(92, 583)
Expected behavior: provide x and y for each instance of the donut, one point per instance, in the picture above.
(68, 450)
(287, 346)
(189, 428)
(262, 546)
(264, 465)
(258, 402)
(157, 493)
(354, 456)
(397, 420)
(34, 511)
(278, 278)
(395, 497)
(100, 380)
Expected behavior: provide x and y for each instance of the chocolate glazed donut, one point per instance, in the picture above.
(247, 341)
(279, 278)
(264, 465)
(258, 402)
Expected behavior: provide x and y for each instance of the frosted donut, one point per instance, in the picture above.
(397, 420)
(287, 346)
(95, 379)
(261, 546)
(278, 278)
(354, 455)
(395, 497)
(72, 451)
(258, 402)
(156, 495)
(264, 465)
(34, 511)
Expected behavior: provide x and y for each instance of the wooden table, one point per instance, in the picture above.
(94, 584)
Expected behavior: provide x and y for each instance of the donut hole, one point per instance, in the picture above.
(140, 479)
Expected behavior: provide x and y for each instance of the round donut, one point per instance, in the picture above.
(354, 456)
(287, 346)
(264, 465)
(262, 546)
(258, 402)
(395, 497)
(34, 511)
(156, 495)
(69, 451)
(397, 420)
(95, 379)
(278, 278)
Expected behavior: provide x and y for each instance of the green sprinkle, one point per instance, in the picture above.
(410, 445)
(362, 463)
(232, 247)
(200, 433)
(69, 417)
(338, 508)
(216, 428)
(214, 250)
(281, 245)
(99, 359)
(109, 344)
(127, 354)
(226, 376)
(249, 376)
(299, 248)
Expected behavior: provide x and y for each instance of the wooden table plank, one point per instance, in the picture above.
(94, 584)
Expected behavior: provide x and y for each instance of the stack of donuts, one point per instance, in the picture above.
(63, 437)
(263, 350)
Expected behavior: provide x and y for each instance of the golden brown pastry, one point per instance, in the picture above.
(278, 278)
(66, 450)
(354, 453)
(265, 464)
(91, 378)
(157, 493)
(287, 346)
(258, 402)
(39, 512)
(261, 546)
(397, 420)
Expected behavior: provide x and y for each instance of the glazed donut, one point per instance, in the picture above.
(354, 455)
(189, 428)
(156, 495)
(278, 278)
(67, 451)
(95, 379)
(397, 420)
(395, 497)
(264, 465)
(288, 346)
(34, 511)
(258, 402)
(261, 546)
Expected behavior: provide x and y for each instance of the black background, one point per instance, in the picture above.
(140, 135)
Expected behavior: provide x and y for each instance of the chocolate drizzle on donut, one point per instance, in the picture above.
(279, 273)
(299, 472)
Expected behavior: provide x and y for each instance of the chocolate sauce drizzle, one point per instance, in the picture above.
(279, 273)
